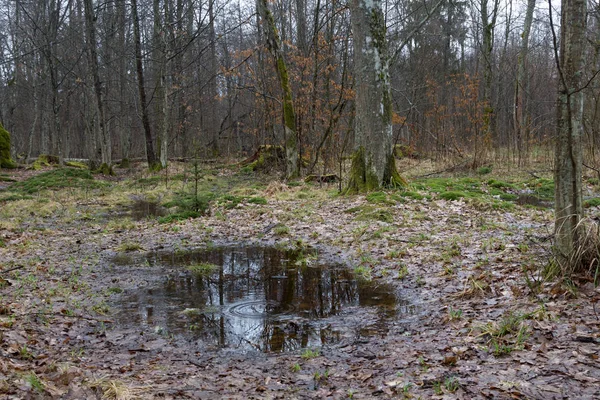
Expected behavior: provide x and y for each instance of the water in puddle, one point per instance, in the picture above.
(262, 299)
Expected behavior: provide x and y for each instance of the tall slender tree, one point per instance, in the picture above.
(569, 235)
(105, 142)
(522, 84)
(289, 115)
(150, 154)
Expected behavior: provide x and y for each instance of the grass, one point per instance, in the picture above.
(402, 271)
(380, 214)
(35, 382)
(363, 272)
(129, 247)
(281, 230)
(114, 389)
(309, 354)
(203, 269)
(507, 335)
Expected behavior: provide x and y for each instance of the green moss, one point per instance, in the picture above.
(257, 200)
(594, 202)
(76, 164)
(5, 159)
(44, 160)
(509, 197)
(452, 196)
(125, 163)
(105, 169)
(57, 179)
(500, 184)
(542, 187)
(377, 197)
(412, 195)
(203, 269)
(484, 170)
(182, 216)
(380, 214)
(361, 180)
(391, 177)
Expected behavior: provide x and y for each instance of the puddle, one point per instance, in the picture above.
(142, 209)
(261, 299)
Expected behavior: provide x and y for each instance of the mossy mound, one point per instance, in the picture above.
(44, 160)
(76, 164)
(266, 159)
(5, 160)
(56, 179)
(105, 169)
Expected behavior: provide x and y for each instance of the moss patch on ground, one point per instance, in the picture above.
(56, 179)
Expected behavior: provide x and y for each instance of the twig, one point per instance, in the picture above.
(592, 168)
(533, 174)
(11, 269)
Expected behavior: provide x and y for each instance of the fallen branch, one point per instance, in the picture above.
(11, 269)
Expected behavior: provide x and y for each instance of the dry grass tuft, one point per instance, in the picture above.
(116, 390)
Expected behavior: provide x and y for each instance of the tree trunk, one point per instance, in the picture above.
(150, 155)
(301, 25)
(212, 83)
(373, 163)
(488, 22)
(521, 87)
(105, 145)
(289, 116)
(568, 158)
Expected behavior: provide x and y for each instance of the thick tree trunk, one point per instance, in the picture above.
(373, 163)
(568, 161)
(289, 116)
(150, 155)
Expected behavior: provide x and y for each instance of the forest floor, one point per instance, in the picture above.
(463, 251)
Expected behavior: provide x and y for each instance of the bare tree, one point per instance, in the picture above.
(105, 142)
(289, 115)
(522, 86)
(568, 157)
(150, 155)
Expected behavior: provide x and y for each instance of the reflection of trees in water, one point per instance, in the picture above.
(266, 276)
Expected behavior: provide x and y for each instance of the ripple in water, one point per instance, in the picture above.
(260, 298)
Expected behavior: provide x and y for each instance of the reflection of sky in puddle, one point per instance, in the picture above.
(260, 299)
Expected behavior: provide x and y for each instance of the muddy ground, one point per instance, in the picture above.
(484, 324)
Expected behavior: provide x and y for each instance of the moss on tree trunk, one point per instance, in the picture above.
(5, 159)
(364, 179)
